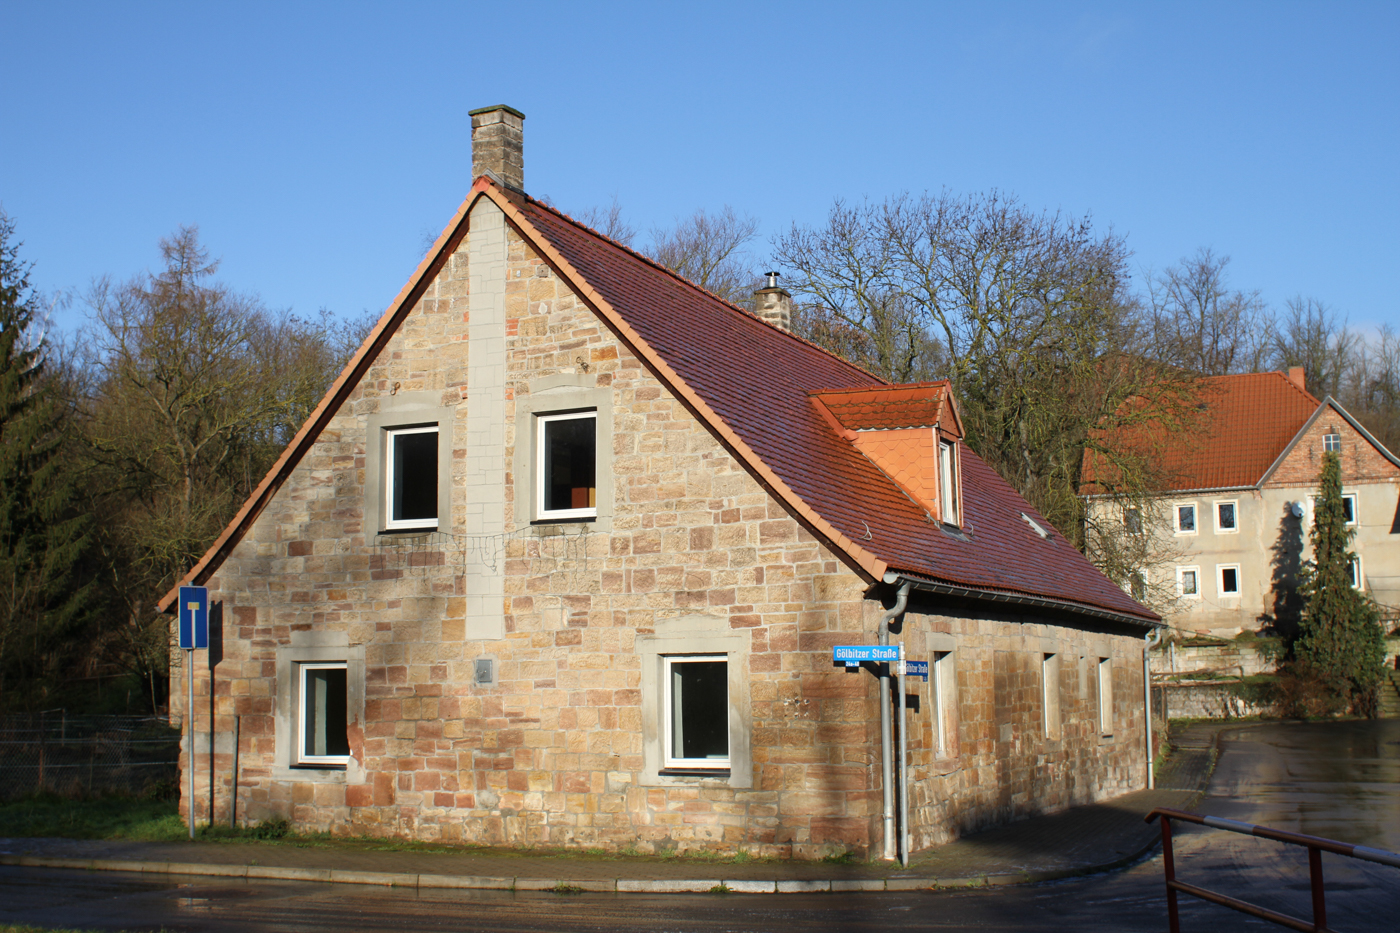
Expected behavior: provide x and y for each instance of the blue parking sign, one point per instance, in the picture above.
(194, 617)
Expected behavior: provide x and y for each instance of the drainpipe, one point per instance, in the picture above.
(886, 742)
(1150, 641)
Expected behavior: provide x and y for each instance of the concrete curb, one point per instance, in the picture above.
(570, 886)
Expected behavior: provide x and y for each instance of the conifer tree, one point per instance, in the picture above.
(41, 538)
(1339, 636)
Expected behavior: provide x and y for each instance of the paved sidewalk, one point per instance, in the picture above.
(1082, 840)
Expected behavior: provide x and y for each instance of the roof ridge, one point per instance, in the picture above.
(685, 281)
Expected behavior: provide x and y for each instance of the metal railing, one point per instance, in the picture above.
(1315, 845)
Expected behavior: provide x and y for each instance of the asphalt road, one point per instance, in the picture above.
(1340, 780)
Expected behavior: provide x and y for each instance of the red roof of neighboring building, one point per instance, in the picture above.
(1246, 423)
(750, 383)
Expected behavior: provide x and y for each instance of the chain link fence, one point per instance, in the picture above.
(60, 753)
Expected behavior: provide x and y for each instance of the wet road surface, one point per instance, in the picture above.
(1340, 780)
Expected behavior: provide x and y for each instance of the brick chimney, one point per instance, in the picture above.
(773, 304)
(1295, 376)
(498, 144)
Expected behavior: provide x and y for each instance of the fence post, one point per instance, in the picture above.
(1169, 870)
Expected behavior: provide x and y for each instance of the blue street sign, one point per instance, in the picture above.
(916, 669)
(194, 617)
(852, 655)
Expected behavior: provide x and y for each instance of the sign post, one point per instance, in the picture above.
(194, 633)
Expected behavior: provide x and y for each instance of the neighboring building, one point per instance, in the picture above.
(1240, 509)
(563, 555)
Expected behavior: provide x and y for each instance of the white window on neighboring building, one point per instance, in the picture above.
(1331, 443)
(1188, 582)
(1184, 518)
(411, 478)
(1050, 694)
(1228, 578)
(566, 459)
(948, 482)
(1348, 508)
(696, 714)
(1354, 571)
(1132, 521)
(943, 690)
(1106, 696)
(1137, 585)
(322, 714)
(1227, 516)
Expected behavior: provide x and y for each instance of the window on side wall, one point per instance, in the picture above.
(322, 715)
(1106, 696)
(948, 482)
(1184, 518)
(1227, 517)
(697, 711)
(1050, 694)
(411, 478)
(1228, 576)
(1188, 582)
(943, 692)
(566, 458)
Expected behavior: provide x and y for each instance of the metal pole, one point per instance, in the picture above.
(1169, 870)
(189, 729)
(1149, 642)
(903, 764)
(1319, 901)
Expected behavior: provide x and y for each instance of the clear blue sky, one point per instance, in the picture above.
(317, 145)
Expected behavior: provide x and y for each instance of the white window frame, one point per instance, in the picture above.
(1357, 580)
(1328, 442)
(1176, 518)
(1050, 694)
(1106, 697)
(1129, 514)
(1138, 576)
(1220, 581)
(669, 760)
(1180, 584)
(541, 513)
(948, 499)
(943, 691)
(391, 523)
(1235, 508)
(299, 754)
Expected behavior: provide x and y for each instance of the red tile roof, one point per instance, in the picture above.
(915, 405)
(1246, 423)
(751, 383)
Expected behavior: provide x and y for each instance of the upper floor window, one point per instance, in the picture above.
(1132, 521)
(1188, 582)
(1227, 517)
(1354, 572)
(948, 482)
(1184, 518)
(1348, 508)
(1332, 443)
(566, 465)
(411, 478)
(1228, 579)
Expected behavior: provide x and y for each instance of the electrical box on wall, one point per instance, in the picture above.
(485, 675)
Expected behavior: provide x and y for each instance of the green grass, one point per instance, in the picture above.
(93, 818)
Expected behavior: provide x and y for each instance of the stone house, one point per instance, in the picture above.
(563, 556)
(1240, 505)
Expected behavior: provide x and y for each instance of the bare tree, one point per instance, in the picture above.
(1200, 325)
(710, 250)
(1311, 335)
(1373, 391)
(609, 222)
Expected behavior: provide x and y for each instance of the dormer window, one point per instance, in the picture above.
(948, 482)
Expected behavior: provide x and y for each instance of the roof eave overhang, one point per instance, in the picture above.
(943, 588)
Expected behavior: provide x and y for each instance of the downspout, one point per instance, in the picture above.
(1150, 641)
(886, 741)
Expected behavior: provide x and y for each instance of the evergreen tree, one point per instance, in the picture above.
(42, 539)
(1339, 636)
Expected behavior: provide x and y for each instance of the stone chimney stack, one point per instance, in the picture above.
(498, 144)
(1295, 376)
(773, 303)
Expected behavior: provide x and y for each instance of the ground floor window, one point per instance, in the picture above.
(943, 691)
(697, 711)
(1106, 696)
(322, 715)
